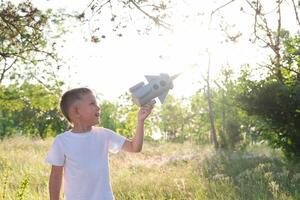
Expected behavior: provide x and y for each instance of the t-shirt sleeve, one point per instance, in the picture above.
(55, 155)
(115, 141)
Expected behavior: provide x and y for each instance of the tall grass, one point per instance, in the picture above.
(23, 172)
(161, 171)
(252, 176)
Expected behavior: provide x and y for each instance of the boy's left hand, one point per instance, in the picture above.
(145, 111)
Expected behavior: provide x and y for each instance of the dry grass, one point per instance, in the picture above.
(161, 171)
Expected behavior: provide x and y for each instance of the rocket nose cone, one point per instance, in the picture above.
(175, 76)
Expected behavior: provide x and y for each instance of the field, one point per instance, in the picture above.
(162, 171)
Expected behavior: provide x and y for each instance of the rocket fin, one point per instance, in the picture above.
(162, 97)
(133, 88)
(150, 77)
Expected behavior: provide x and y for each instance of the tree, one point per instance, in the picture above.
(173, 119)
(210, 107)
(24, 43)
(108, 115)
(273, 99)
(229, 115)
(277, 102)
(264, 32)
(126, 117)
(30, 109)
(199, 121)
(28, 63)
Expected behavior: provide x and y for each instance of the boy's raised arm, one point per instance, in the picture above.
(136, 144)
(55, 182)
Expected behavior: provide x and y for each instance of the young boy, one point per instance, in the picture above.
(80, 155)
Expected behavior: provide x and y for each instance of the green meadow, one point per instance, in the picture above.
(161, 171)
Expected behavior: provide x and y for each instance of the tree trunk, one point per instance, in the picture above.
(210, 108)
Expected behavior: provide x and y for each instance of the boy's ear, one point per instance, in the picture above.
(73, 112)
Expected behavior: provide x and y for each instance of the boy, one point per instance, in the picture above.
(80, 155)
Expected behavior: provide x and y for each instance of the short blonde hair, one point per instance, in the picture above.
(70, 97)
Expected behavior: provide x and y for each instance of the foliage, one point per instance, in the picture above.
(22, 188)
(269, 101)
(29, 87)
(172, 115)
(30, 109)
(277, 102)
(24, 43)
(229, 118)
(108, 115)
(126, 116)
(198, 122)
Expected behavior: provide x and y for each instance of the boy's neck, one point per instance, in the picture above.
(81, 129)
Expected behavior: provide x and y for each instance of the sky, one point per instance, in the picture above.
(115, 64)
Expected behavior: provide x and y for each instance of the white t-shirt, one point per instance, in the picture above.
(84, 157)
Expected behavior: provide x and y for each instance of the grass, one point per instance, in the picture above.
(162, 171)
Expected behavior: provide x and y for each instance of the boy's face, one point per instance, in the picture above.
(88, 110)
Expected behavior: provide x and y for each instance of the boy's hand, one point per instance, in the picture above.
(144, 112)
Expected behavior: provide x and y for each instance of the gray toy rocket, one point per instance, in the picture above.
(158, 86)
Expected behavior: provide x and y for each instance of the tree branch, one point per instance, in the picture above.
(296, 12)
(291, 70)
(220, 7)
(102, 5)
(5, 69)
(156, 20)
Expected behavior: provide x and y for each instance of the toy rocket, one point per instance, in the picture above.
(158, 86)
